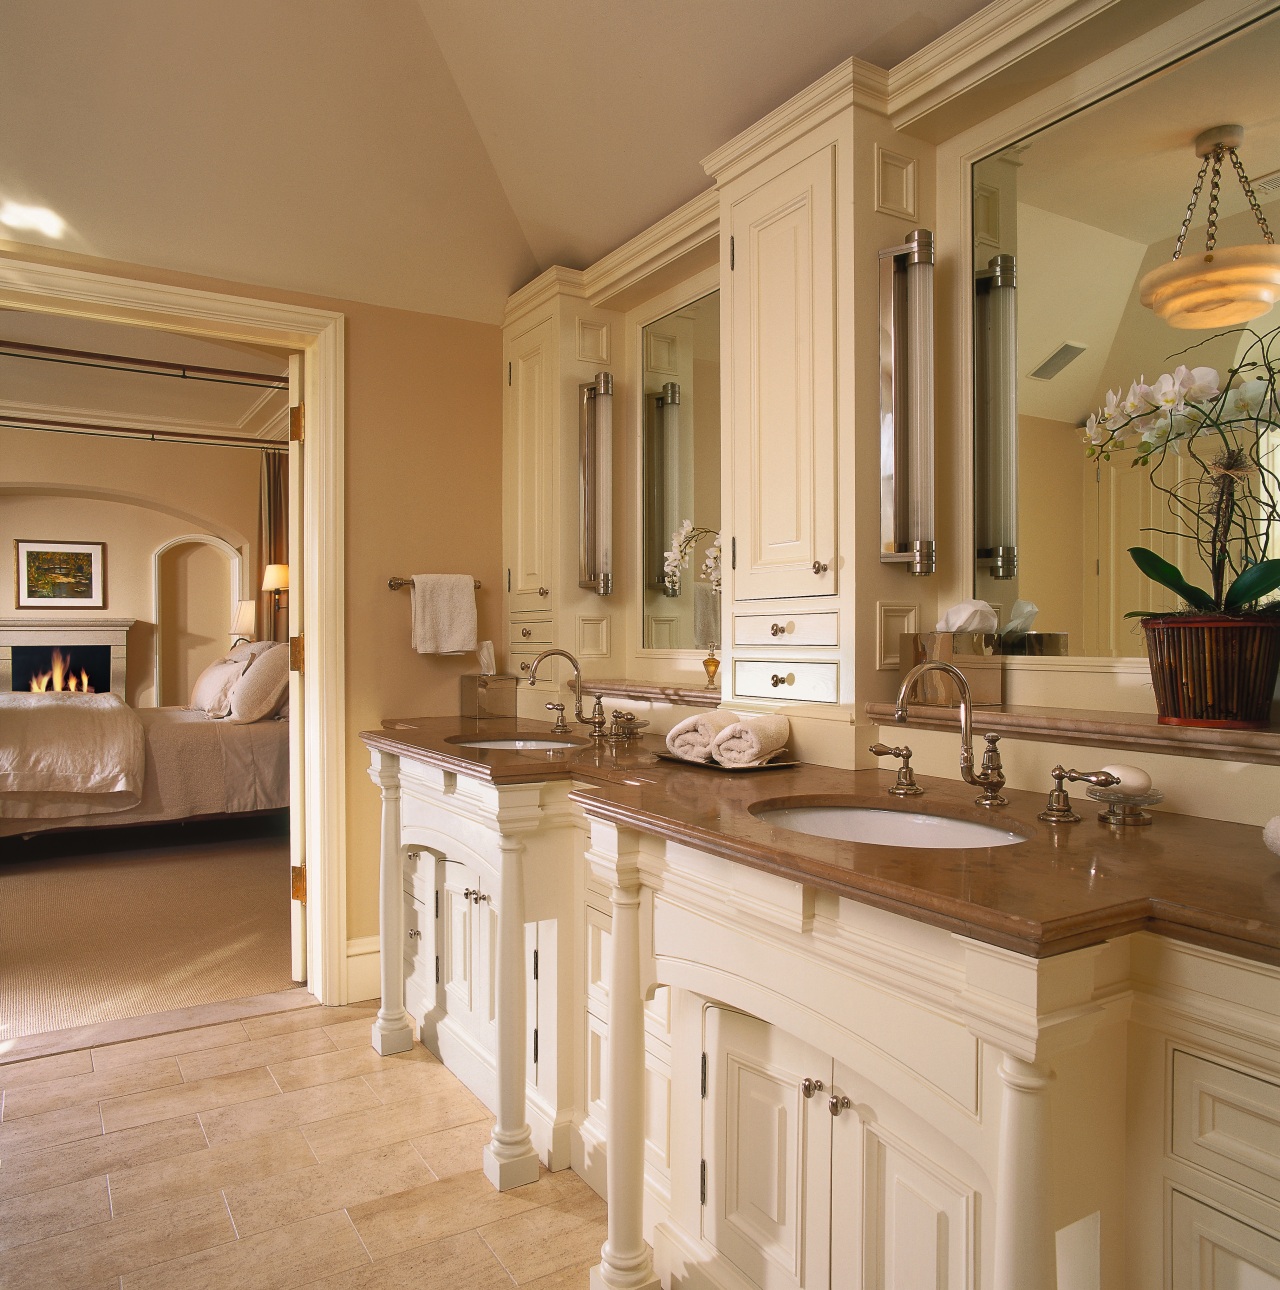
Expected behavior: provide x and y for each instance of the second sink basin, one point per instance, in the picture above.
(888, 828)
(516, 744)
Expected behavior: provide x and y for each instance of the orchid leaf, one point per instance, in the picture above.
(1254, 583)
(1160, 570)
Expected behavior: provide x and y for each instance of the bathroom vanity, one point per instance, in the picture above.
(792, 1060)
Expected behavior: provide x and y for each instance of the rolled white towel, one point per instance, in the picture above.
(751, 741)
(1271, 834)
(691, 738)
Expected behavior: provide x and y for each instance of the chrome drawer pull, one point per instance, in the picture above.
(819, 569)
(775, 680)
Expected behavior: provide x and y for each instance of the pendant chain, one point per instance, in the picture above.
(1215, 158)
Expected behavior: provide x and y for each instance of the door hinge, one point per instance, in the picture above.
(535, 1045)
(298, 883)
(437, 969)
(535, 965)
(731, 254)
(296, 424)
(508, 373)
(702, 1185)
(733, 553)
(704, 1074)
(295, 653)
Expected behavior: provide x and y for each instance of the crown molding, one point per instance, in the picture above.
(546, 287)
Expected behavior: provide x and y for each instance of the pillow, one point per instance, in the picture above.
(248, 650)
(212, 690)
(263, 687)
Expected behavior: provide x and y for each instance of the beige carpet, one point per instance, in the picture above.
(87, 937)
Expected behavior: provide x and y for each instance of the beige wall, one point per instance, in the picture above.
(423, 495)
(135, 497)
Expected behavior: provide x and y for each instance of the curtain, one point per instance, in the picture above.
(273, 539)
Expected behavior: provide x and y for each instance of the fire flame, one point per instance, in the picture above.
(61, 678)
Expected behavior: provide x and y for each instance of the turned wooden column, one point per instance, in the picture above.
(392, 1032)
(1024, 1248)
(625, 1262)
(509, 1157)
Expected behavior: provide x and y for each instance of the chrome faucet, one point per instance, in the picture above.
(991, 777)
(597, 719)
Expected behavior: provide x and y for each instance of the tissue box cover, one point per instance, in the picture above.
(973, 653)
(489, 696)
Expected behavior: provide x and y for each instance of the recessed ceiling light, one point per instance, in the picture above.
(39, 218)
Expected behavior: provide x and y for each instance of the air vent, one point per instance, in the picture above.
(1060, 358)
(1267, 184)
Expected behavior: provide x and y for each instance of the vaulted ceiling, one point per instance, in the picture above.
(431, 155)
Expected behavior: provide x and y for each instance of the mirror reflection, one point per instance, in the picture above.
(1065, 225)
(681, 478)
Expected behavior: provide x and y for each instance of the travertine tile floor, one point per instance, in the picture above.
(275, 1150)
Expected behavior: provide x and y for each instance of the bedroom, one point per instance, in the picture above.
(161, 482)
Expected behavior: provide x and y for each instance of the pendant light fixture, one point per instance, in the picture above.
(1221, 287)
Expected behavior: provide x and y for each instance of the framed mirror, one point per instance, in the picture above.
(1066, 222)
(680, 478)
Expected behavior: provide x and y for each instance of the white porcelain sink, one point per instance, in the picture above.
(888, 828)
(530, 744)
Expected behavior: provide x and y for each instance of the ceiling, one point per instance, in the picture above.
(422, 154)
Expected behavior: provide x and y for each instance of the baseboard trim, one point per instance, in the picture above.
(364, 969)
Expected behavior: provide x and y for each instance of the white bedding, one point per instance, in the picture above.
(68, 754)
(194, 766)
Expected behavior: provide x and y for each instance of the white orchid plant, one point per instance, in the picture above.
(1228, 503)
(683, 542)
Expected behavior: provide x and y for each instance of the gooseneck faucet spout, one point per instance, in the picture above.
(991, 777)
(597, 719)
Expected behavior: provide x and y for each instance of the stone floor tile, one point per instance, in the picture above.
(549, 1239)
(287, 1110)
(327, 1068)
(457, 1150)
(253, 1052)
(182, 1099)
(461, 1262)
(280, 1023)
(55, 1210)
(40, 1069)
(39, 1132)
(72, 1090)
(401, 1122)
(401, 1081)
(173, 1044)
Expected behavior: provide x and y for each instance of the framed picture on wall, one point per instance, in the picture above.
(60, 575)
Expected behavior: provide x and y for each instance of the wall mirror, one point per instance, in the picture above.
(680, 475)
(1065, 223)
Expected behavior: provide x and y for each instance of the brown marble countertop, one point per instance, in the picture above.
(1065, 887)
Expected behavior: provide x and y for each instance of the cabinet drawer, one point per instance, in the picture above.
(548, 673)
(1227, 1122)
(1210, 1249)
(786, 629)
(786, 680)
(534, 634)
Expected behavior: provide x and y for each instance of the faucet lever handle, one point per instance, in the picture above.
(905, 785)
(561, 724)
(1059, 809)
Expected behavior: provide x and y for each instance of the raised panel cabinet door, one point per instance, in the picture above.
(767, 1153)
(466, 946)
(782, 357)
(530, 464)
(1208, 1250)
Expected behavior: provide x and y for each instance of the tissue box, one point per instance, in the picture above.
(489, 696)
(973, 653)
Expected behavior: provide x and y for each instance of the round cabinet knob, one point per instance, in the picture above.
(778, 629)
(542, 591)
(414, 934)
(524, 667)
(775, 680)
(810, 1086)
(837, 1102)
(819, 568)
(526, 632)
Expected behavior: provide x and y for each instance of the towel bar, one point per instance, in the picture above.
(395, 584)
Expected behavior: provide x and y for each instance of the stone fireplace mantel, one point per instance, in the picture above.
(52, 629)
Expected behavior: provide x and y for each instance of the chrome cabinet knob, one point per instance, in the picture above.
(526, 632)
(524, 667)
(837, 1102)
(542, 591)
(819, 568)
(810, 1086)
(775, 680)
(414, 934)
(778, 629)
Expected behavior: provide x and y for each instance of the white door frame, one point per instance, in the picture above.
(319, 334)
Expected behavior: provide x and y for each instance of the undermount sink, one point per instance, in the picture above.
(888, 828)
(516, 743)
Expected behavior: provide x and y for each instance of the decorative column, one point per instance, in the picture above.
(509, 1158)
(392, 1032)
(625, 1261)
(1024, 1250)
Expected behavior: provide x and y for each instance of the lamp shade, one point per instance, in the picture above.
(276, 578)
(1217, 289)
(245, 620)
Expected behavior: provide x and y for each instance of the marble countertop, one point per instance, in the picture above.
(1067, 886)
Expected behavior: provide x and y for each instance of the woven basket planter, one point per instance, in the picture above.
(1211, 670)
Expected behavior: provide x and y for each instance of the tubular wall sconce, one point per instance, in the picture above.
(595, 492)
(906, 403)
(662, 508)
(995, 416)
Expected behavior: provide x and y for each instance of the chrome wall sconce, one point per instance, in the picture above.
(995, 416)
(906, 403)
(1221, 287)
(662, 506)
(595, 492)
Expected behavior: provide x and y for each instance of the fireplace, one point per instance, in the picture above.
(96, 645)
(62, 667)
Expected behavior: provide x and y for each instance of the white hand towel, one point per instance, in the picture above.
(1271, 835)
(444, 613)
(751, 741)
(691, 738)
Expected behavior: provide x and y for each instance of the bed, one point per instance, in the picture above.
(71, 761)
